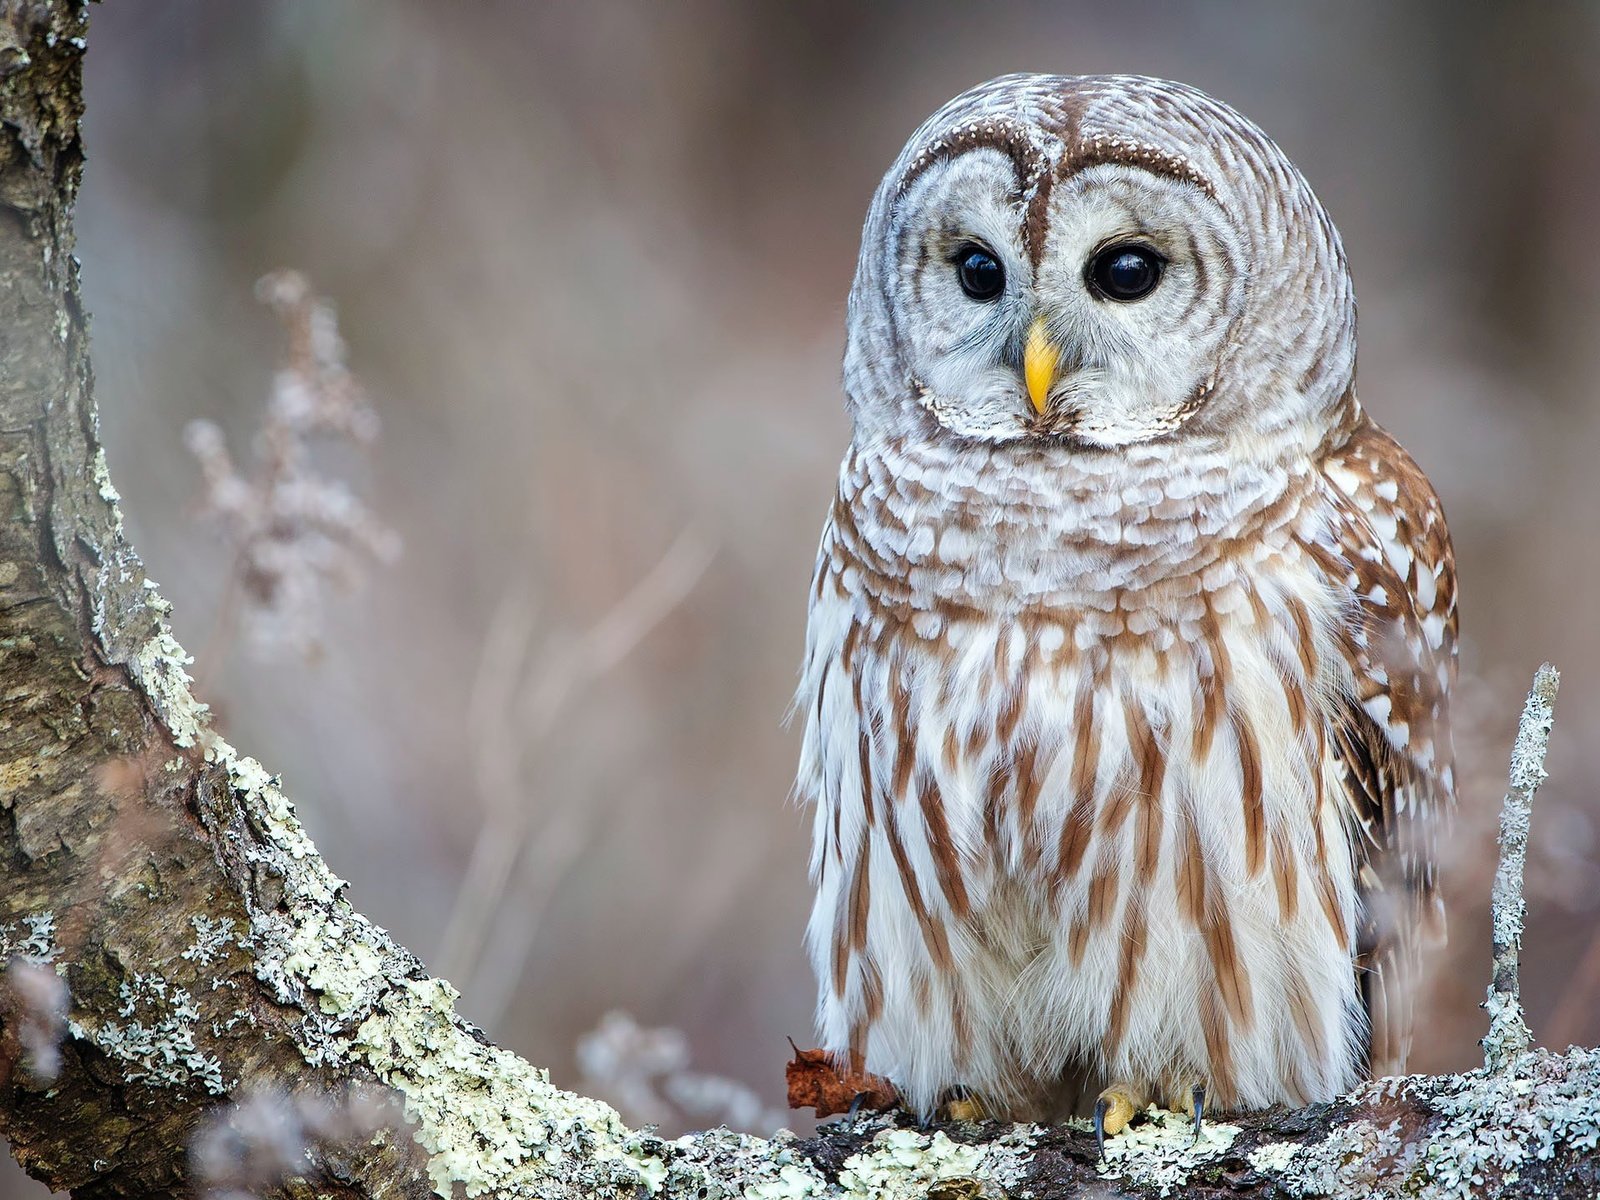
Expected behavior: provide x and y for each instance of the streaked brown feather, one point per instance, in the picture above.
(1219, 1045)
(1255, 813)
(1126, 993)
(933, 930)
(1285, 875)
(1075, 831)
(946, 863)
(1152, 765)
(1233, 983)
(1191, 865)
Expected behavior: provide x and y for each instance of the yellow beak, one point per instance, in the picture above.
(1040, 357)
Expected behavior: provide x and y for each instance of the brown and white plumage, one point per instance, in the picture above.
(1394, 742)
(1125, 695)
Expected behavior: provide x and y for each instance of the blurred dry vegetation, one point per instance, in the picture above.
(590, 265)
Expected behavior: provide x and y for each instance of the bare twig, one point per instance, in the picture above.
(527, 716)
(1509, 1037)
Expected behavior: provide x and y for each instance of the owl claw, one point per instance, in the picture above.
(1113, 1109)
(961, 1105)
(1191, 1101)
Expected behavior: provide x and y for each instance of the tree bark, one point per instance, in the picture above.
(185, 979)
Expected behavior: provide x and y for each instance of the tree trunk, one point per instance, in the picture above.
(190, 1004)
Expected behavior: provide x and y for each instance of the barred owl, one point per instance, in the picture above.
(1131, 635)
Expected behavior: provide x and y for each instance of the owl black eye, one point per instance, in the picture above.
(1125, 272)
(981, 275)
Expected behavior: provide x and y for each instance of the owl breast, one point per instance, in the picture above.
(1076, 814)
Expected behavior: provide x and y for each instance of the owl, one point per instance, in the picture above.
(1131, 636)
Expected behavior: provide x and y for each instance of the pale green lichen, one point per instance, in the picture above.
(211, 940)
(340, 983)
(314, 951)
(792, 1183)
(1508, 1035)
(31, 936)
(107, 490)
(1008, 1157)
(154, 600)
(155, 1040)
(159, 668)
(1352, 1160)
(103, 485)
(1162, 1152)
(721, 1165)
(1491, 1127)
(902, 1164)
(490, 1121)
(1500, 1123)
(651, 1170)
(1274, 1158)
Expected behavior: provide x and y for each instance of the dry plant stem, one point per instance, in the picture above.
(1508, 1035)
(209, 956)
(295, 530)
(526, 716)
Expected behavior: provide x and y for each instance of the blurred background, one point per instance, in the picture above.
(590, 262)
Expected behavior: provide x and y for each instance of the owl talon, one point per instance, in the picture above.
(1190, 1100)
(961, 1105)
(1113, 1109)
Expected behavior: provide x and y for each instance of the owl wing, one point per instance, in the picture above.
(1391, 740)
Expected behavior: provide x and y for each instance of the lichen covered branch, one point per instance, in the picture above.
(1509, 1036)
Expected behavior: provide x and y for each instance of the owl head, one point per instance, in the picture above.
(1099, 261)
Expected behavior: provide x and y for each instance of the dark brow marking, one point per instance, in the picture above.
(1099, 150)
(995, 133)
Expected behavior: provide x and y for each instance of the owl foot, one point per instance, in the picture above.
(961, 1105)
(1113, 1109)
(1190, 1100)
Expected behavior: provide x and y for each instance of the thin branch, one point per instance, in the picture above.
(529, 717)
(1509, 1037)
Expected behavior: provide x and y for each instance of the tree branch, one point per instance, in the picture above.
(184, 968)
(1508, 1035)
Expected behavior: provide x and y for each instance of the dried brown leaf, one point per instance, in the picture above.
(817, 1081)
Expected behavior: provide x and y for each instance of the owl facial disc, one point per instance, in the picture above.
(1100, 261)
